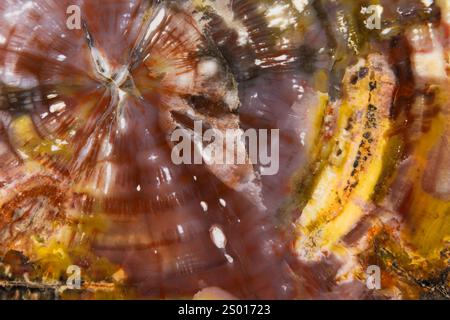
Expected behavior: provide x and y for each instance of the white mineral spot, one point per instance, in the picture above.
(58, 106)
(427, 3)
(52, 96)
(218, 237)
(281, 58)
(229, 258)
(279, 16)
(222, 202)
(54, 148)
(300, 5)
(258, 62)
(107, 148)
(276, 10)
(302, 138)
(231, 100)
(59, 141)
(204, 205)
(153, 157)
(208, 68)
(22, 154)
(386, 31)
(184, 80)
(243, 37)
(61, 57)
(167, 176)
(123, 124)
